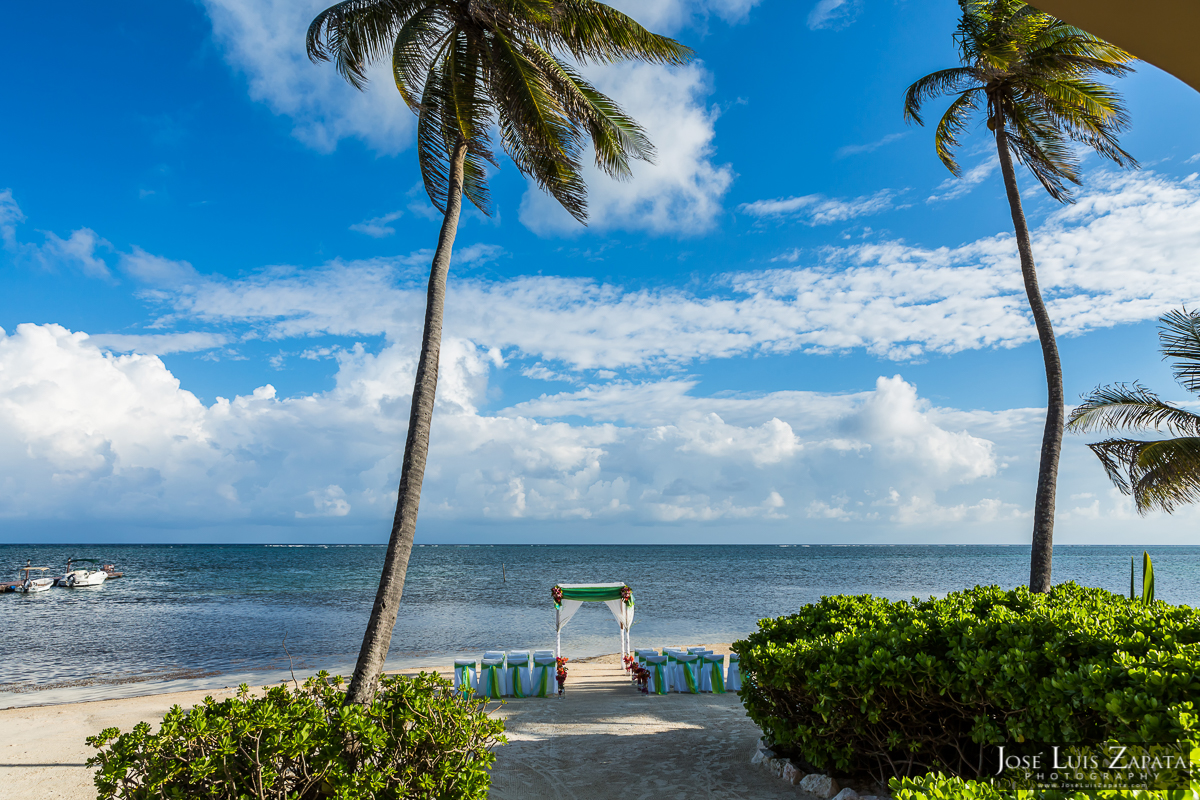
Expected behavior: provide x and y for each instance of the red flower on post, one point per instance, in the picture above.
(560, 673)
(556, 594)
(627, 595)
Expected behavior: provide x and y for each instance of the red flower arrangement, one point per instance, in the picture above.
(628, 662)
(560, 674)
(556, 594)
(627, 595)
(641, 676)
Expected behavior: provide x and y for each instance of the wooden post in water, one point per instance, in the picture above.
(503, 574)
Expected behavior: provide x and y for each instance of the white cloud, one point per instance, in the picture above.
(681, 193)
(78, 251)
(159, 344)
(90, 435)
(953, 188)
(832, 14)
(869, 147)
(378, 227)
(10, 218)
(1122, 253)
(264, 40)
(116, 437)
(820, 210)
(156, 270)
(668, 16)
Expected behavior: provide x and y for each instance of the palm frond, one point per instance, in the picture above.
(1130, 406)
(540, 138)
(953, 125)
(594, 32)
(935, 84)
(615, 136)
(356, 33)
(1162, 474)
(420, 41)
(1179, 337)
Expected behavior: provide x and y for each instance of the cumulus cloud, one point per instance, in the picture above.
(820, 210)
(116, 437)
(681, 192)
(264, 40)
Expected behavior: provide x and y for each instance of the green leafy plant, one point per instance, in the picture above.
(417, 739)
(1147, 578)
(867, 685)
(1033, 78)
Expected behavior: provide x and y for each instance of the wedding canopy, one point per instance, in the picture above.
(568, 597)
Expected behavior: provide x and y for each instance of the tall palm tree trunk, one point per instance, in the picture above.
(378, 637)
(1043, 503)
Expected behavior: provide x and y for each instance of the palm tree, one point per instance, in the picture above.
(1032, 75)
(465, 67)
(1159, 473)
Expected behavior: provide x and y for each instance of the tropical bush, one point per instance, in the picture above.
(942, 787)
(418, 739)
(867, 685)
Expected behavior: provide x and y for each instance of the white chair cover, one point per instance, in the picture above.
(733, 678)
(494, 654)
(520, 665)
(542, 682)
(688, 671)
(659, 682)
(464, 676)
(492, 683)
(543, 653)
(712, 677)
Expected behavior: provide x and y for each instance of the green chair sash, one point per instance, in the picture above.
(489, 680)
(718, 676)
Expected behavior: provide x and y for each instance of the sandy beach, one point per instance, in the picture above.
(602, 734)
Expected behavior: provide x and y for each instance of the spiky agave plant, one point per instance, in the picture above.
(1159, 473)
(1032, 77)
(467, 68)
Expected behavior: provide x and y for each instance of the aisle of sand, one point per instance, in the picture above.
(601, 737)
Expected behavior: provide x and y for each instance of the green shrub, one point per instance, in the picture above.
(866, 685)
(941, 787)
(418, 739)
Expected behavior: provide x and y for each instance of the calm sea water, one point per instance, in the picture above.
(201, 616)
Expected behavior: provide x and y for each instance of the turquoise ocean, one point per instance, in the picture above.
(208, 616)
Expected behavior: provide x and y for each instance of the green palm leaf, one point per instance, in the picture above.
(1179, 337)
(1159, 473)
(1034, 71)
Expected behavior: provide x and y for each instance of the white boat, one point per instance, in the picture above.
(84, 576)
(31, 584)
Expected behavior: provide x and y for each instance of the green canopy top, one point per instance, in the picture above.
(591, 594)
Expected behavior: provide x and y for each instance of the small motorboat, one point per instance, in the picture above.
(29, 583)
(77, 576)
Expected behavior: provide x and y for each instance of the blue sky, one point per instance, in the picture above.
(794, 327)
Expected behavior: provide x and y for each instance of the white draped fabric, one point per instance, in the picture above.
(621, 612)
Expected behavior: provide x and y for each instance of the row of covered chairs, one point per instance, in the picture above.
(689, 669)
(517, 673)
